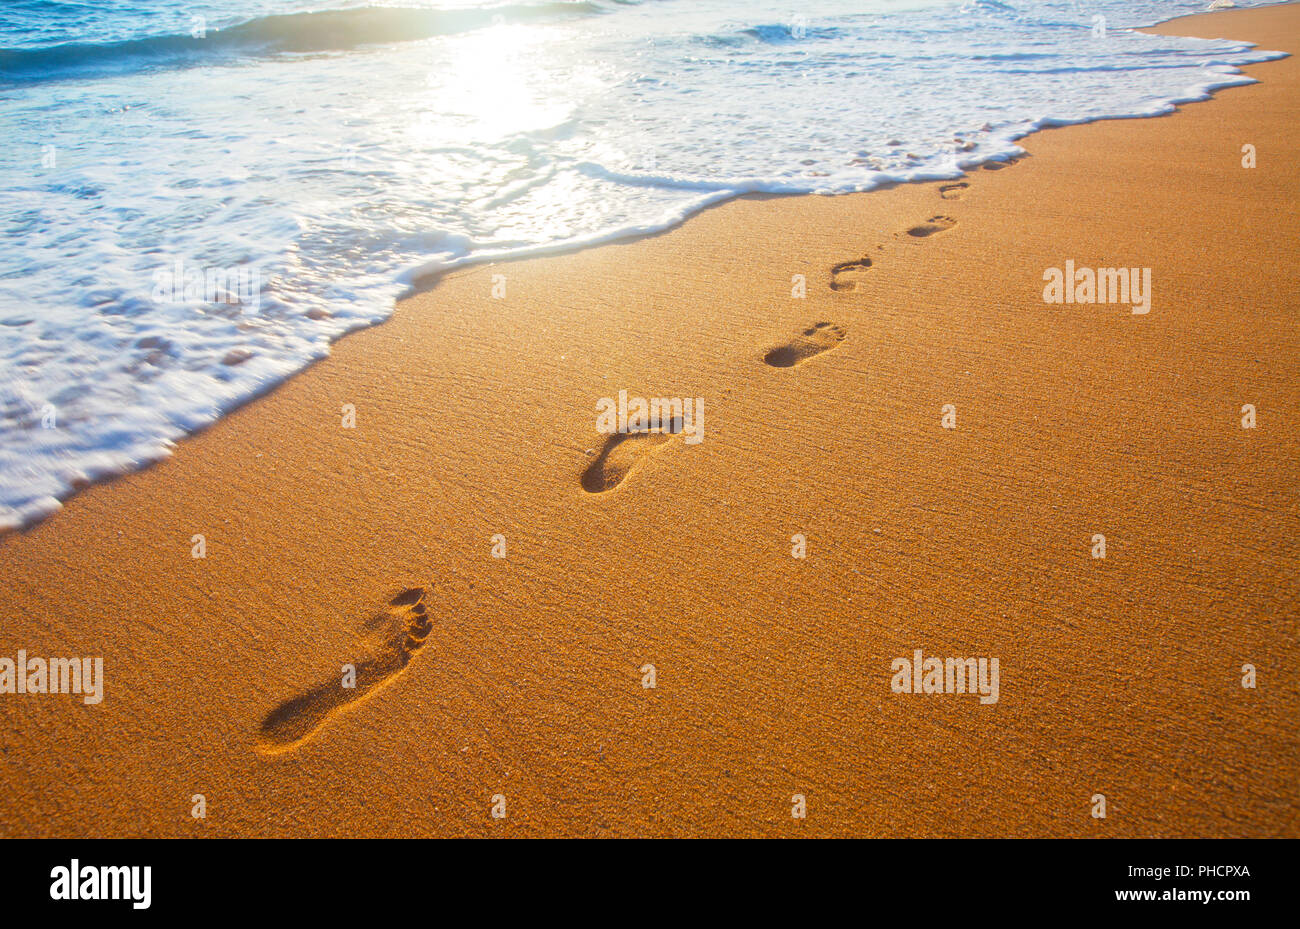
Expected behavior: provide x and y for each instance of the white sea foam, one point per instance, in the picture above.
(338, 154)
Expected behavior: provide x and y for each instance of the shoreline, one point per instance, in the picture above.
(474, 420)
(417, 281)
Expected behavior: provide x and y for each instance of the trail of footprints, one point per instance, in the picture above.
(397, 631)
(623, 452)
(849, 275)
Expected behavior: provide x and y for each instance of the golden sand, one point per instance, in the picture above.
(521, 678)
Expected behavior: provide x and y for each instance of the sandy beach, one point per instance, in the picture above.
(433, 505)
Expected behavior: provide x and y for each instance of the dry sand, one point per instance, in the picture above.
(521, 676)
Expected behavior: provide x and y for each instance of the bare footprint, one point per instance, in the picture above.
(814, 340)
(621, 453)
(396, 631)
(953, 191)
(931, 226)
(999, 165)
(848, 274)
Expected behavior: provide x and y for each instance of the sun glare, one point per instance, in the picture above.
(495, 81)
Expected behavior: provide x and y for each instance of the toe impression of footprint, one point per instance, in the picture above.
(396, 631)
(818, 338)
(848, 274)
